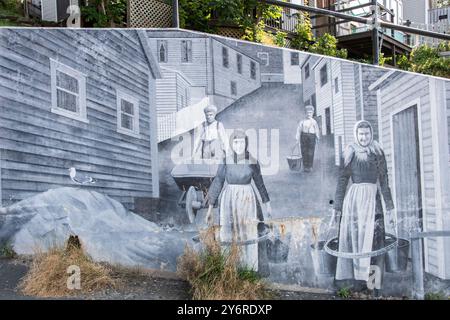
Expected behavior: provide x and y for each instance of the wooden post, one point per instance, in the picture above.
(25, 9)
(394, 56)
(417, 268)
(176, 16)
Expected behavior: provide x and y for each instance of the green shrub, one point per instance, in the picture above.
(215, 274)
(7, 251)
(436, 296)
(344, 293)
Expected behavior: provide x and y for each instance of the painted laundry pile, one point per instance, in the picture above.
(107, 230)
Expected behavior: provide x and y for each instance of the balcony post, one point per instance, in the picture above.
(375, 34)
(176, 16)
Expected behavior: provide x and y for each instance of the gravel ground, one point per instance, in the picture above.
(145, 285)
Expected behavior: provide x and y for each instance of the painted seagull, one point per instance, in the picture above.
(78, 179)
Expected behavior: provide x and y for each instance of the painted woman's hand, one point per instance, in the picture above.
(209, 219)
(391, 218)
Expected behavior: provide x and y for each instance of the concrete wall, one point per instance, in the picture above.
(37, 145)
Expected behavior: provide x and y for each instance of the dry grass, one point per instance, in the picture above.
(215, 275)
(48, 275)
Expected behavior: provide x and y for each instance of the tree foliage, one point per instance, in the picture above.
(195, 15)
(325, 44)
(249, 15)
(442, 3)
(104, 13)
(427, 60)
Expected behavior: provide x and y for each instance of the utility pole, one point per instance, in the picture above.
(375, 34)
(176, 15)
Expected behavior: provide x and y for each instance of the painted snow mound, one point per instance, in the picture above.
(107, 230)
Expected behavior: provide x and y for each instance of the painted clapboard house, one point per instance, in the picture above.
(414, 128)
(196, 70)
(333, 96)
(82, 99)
(271, 59)
(339, 92)
(277, 66)
(309, 80)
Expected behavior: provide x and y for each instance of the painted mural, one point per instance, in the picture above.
(326, 173)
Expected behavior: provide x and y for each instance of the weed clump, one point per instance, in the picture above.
(215, 274)
(50, 273)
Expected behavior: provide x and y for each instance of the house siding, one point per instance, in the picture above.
(339, 117)
(309, 85)
(370, 108)
(447, 94)
(195, 71)
(349, 102)
(273, 72)
(401, 93)
(38, 146)
(223, 76)
(49, 9)
(323, 93)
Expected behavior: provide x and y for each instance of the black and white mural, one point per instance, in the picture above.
(326, 173)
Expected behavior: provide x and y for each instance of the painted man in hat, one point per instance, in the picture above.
(211, 139)
(307, 135)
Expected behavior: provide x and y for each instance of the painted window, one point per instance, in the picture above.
(68, 87)
(225, 60)
(233, 88)
(186, 96)
(186, 51)
(239, 62)
(127, 114)
(264, 57)
(323, 75)
(295, 59)
(252, 69)
(162, 51)
(307, 71)
(336, 85)
(181, 101)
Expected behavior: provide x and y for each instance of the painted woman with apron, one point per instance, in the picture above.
(361, 228)
(241, 217)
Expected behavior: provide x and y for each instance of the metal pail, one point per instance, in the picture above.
(326, 262)
(397, 258)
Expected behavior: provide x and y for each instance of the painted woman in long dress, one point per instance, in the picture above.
(362, 228)
(240, 213)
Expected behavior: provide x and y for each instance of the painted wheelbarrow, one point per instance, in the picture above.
(194, 179)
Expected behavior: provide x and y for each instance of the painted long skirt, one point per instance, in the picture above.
(361, 230)
(239, 222)
(308, 146)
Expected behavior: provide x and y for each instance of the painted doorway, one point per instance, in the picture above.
(408, 200)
